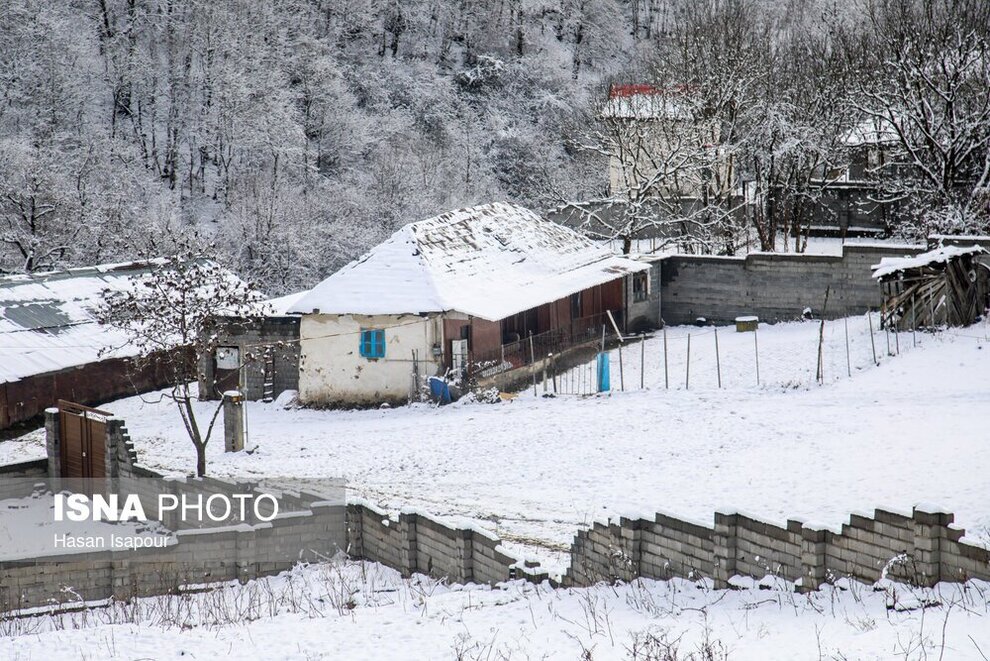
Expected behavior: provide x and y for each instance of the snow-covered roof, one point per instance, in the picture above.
(872, 131)
(891, 265)
(280, 306)
(645, 102)
(48, 320)
(490, 261)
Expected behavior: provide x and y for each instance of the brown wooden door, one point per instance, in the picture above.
(82, 441)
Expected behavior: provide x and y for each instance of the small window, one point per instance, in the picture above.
(373, 343)
(641, 286)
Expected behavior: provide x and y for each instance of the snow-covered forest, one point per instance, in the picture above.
(286, 137)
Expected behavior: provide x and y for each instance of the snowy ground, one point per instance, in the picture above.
(535, 470)
(366, 611)
(28, 529)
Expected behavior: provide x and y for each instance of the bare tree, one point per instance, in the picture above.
(168, 314)
(658, 159)
(794, 131)
(929, 87)
(33, 222)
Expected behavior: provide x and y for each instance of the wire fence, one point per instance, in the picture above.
(788, 355)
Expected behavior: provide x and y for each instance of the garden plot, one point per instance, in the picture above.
(717, 357)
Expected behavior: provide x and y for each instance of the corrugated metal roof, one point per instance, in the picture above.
(47, 320)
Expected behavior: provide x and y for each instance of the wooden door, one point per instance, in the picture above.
(82, 440)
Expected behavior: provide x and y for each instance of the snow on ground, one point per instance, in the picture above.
(28, 530)
(366, 611)
(535, 470)
(28, 447)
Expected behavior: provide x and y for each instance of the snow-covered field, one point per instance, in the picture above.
(366, 611)
(535, 470)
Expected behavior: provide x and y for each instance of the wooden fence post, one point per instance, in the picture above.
(718, 361)
(687, 372)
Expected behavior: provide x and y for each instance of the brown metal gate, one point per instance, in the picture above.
(82, 440)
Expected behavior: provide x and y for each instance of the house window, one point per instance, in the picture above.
(641, 286)
(373, 343)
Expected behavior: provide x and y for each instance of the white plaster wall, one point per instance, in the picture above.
(333, 371)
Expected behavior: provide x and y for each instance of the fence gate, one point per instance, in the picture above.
(82, 440)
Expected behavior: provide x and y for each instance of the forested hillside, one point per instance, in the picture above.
(288, 135)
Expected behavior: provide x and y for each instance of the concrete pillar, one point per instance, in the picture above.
(355, 530)
(409, 555)
(114, 443)
(930, 527)
(630, 538)
(724, 547)
(814, 543)
(233, 421)
(52, 441)
(464, 541)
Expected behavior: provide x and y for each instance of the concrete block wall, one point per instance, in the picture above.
(238, 552)
(671, 547)
(251, 336)
(416, 543)
(921, 548)
(760, 548)
(16, 479)
(306, 528)
(773, 286)
(868, 544)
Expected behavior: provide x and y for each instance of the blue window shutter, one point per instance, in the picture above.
(373, 343)
(365, 343)
(380, 338)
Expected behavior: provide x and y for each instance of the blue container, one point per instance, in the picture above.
(439, 390)
(603, 377)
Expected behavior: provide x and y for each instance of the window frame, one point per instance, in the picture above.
(643, 293)
(371, 343)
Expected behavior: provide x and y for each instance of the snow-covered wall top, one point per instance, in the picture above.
(489, 261)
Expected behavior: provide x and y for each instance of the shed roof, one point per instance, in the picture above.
(489, 261)
(891, 265)
(48, 320)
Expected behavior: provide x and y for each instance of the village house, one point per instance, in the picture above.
(52, 346)
(851, 202)
(663, 145)
(667, 168)
(478, 292)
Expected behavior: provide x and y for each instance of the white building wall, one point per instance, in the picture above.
(333, 371)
